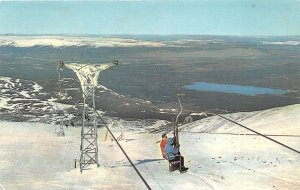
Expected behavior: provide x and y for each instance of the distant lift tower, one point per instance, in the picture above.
(88, 75)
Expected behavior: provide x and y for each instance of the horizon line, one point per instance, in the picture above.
(70, 34)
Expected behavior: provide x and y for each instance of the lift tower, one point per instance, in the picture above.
(88, 76)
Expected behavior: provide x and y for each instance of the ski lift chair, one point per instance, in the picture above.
(173, 165)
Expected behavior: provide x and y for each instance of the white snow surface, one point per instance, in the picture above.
(4, 104)
(67, 41)
(13, 89)
(291, 43)
(79, 41)
(33, 157)
(21, 96)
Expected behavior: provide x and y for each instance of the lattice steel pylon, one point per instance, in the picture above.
(88, 77)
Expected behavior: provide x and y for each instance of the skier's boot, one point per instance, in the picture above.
(183, 169)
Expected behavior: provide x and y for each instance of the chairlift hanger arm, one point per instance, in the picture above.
(181, 109)
(177, 117)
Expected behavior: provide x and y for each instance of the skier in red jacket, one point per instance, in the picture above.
(163, 143)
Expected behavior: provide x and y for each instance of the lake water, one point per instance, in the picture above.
(237, 89)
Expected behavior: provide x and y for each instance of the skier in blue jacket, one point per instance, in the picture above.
(172, 154)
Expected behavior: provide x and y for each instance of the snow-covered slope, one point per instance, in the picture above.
(276, 121)
(33, 157)
(25, 100)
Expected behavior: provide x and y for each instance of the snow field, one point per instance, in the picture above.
(33, 157)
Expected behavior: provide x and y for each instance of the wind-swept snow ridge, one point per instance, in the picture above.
(291, 43)
(95, 42)
(67, 41)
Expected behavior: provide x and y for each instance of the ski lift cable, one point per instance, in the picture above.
(137, 171)
(273, 140)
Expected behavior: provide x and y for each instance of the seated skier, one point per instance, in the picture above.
(163, 144)
(172, 154)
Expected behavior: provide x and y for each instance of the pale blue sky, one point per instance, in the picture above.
(202, 17)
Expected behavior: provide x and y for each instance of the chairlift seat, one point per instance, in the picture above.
(173, 164)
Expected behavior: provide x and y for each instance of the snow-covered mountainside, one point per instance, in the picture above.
(276, 121)
(219, 155)
(25, 100)
(72, 41)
